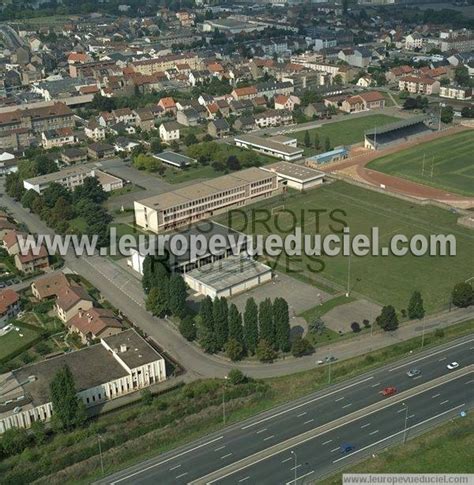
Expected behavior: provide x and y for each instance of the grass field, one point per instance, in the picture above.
(384, 279)
(446, 163)
(444, 450)
(345, 132)
(14, 340)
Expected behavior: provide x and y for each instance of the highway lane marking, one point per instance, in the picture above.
(335, 449)
(444, 402)
(365, 426)
(347, 405)
(417, 377)
(174, 468)
(300, 477)
(399, 432)
(220, 448)
(339, 399)
(327, 442)
(441, 360)
(307, 402)
(226, 456)
(434, 396)
(301, 414)
(295, 467)
(374, 432)
(243, 479)
(429, 355)
(312, 437)
(261, 430)
(469, 382)
(182, 475)
(401, 410)
(309, 421)
(269, 437)
(411, 416)
(165, 461)
(375, 385)
(287, 459)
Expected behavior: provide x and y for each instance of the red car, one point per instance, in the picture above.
(389, 391)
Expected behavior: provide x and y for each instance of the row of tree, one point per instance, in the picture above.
(316, 142)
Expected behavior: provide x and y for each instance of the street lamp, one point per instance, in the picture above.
(423, 334)
(406, 423)
(296, 465)
(329, 373)
(223, 400)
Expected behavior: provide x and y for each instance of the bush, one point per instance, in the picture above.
(355, 327)
(439, 333)
(366, 323)
(147, 397)
(301, 347)
(236, 376)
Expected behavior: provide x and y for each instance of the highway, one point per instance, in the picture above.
(265, 435)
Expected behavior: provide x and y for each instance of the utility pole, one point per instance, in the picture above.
(349, 276)
(406, 424)
(329, 373)
(99, 438)
(223, 401)
(439, 121)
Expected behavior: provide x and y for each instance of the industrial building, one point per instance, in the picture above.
(118, 365)
(228, 277)
(295, 176)
(203, 200)
(335, 155)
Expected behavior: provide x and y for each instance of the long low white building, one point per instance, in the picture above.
(71, 178)
(118, 365)
(276, 146)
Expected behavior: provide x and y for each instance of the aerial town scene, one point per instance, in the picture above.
(236, 242)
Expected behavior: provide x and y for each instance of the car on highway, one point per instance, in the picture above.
(347, 447)
(453, 365)
(413, 372)
(388, 391)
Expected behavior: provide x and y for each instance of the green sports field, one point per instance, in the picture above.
(384, 279)
(346, 132)
(446, 163)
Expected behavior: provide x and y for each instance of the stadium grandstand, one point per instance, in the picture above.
(397, 132)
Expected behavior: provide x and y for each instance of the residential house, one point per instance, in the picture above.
(413, 41)
(100, 150)
(188, 117)
(73, 155)
(273, 118)
(218, 128)
(95, 131)
(244, 123)
(394, 74)
(455, 92)
(419, 85)
(31, 262)
(125, 115)
(94, 323)
(6, 226)
(248, 92)
(9, 305)
(169, 131)
(10, 242)
(373, 100)
(57, 138)
(365, 81)
(49, 286)
(167, 105)
(315, 110)
(270, 89)
(70, 300)
(124, 144)
(145, 119)
(106, 119)
(286, 102)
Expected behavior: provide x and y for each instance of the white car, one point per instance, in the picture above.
(453, 365)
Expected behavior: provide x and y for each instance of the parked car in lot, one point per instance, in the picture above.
(388, 391)
(413, 372)
(453, 365)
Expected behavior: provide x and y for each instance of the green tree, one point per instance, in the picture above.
(251, 326)
(177, 295)
(206, 313)
(190, 139)
(236, 377)
(66, 405)
(307, 139)
(281, 320)
(157, 300)
(415, 306)
(387, 319)
(266, 324)
(53, 192)
(207, 339)
(14, 186)
(338, 81)
(90, 190)
(236, 330)
(234, 349)
(462, 295)
(14, 441)
(265, 352)
(300, 347)
(447, 114)
(317, 142)
(316, 326)
(461, 75)
(221, 324)
(147, 397)
(156, 146)
(327, 144)
(187, 328)
(29, 199)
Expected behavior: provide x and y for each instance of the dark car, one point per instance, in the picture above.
(347, 447)
(413, 372)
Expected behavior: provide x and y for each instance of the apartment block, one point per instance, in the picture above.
(204, 200)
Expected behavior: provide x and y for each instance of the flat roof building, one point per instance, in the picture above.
(204, 200)
(277, 147)
(295, 176)
(228, 277)
(118, 365)
(174, 159)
